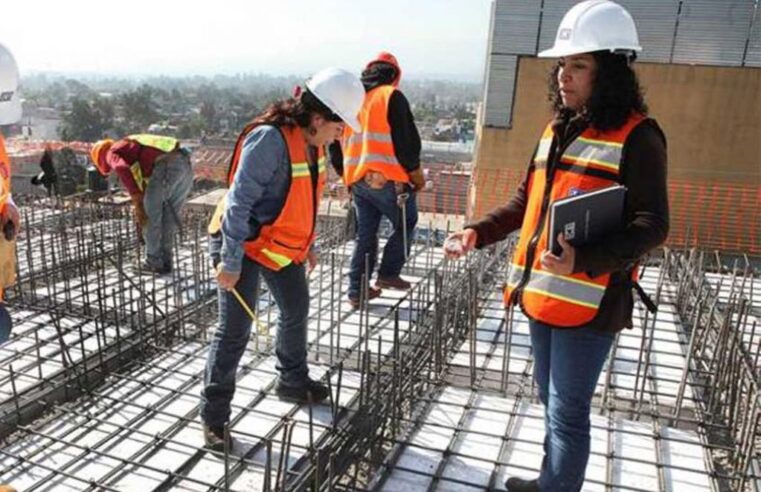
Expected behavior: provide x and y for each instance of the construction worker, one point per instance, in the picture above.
(381, 167)
(578, 300)
(265, 227)
(156, 172)
(10, 112)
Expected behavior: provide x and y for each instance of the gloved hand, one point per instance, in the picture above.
(141, 217)
(9, 221)
(417, 179)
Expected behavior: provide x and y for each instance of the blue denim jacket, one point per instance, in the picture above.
(257, 194)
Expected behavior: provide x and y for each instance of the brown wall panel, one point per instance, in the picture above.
(711, 117)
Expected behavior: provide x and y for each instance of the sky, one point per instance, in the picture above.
(431, 38)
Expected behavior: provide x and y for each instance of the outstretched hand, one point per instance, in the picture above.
(460, 243)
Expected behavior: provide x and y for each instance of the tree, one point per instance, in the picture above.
(87, 121)
(209, 116)
(139, 108)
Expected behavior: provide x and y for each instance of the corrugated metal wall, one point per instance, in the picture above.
(713, 32)
(701, 32)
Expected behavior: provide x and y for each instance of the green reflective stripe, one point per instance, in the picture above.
(567, 289)
(606, 154)
(301, 169)
(137, 175)
(375, 136)
(365, 158)
(543, 150)
(164, 144)
(280, 260)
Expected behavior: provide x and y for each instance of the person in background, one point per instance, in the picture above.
(156, 172)
(578, 300)
(381, 166)
(10, 112)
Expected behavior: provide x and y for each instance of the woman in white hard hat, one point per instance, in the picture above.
(577, 301)
(265, 226)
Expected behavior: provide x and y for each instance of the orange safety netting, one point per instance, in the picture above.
(717, 215)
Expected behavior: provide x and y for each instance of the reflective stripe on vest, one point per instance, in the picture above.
(372, 149)
(586, 151)
(561, 287)
(281, 261)
(590, 162)
(288, 238)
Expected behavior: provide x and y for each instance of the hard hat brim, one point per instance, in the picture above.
(561, 51)
(10, 111)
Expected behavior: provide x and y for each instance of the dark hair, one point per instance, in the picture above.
(615, 92)
(294, 111)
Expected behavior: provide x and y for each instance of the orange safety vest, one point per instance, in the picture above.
(5, 191)
(591, 161)
(288, 239)
(372, 149)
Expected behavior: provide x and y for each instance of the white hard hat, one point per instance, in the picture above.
(341, 91)
(594, 25)
(10, 103)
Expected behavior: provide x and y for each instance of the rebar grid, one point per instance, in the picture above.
(124, 356)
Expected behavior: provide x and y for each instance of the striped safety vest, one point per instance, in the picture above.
(591, 161)
(158, 142)
(288, 239)
(372, 149)
(7, 248)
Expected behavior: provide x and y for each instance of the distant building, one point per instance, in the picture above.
(41, 123)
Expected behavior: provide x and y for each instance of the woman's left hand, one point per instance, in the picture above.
(312, 260)
(563, 264)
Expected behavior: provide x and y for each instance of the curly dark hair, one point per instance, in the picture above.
(294, 111)
(615, 95)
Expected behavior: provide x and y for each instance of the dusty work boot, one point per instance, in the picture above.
(397, 283)
(214, 439)
(515, 484)
(372, 293)
(309, 391)
(149, 269)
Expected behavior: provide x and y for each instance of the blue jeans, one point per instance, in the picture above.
(567, 365)
(370, 206)
(165, 195)
(5, 323)
(289, 288)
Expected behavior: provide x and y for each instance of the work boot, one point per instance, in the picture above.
(397, 283)
(7, 488)
(309, 391)
(147, 268)
(372, 293)
(214, 439)
(516, 484)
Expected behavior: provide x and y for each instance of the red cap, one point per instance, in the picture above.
(386, 57)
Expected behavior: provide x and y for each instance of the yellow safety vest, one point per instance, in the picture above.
(159, 142)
